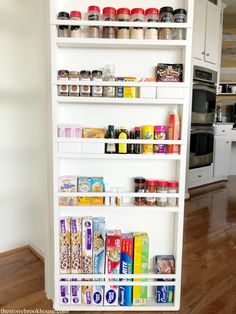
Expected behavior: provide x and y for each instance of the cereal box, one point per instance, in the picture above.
(65, 245)
(68, 201)
(75, 293)
(141, 252)
(84, 186)
(98, 256)
(67, 184)
(113, 247)
(126, 267)
(64, 293)
(97, 185)
(164, 264)
(76, 245)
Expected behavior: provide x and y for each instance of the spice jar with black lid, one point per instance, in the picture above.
(75, 29)
(180, 16)
(85, 90)
(166, 16)
(63, 30)
(94, 15)
(140, 187)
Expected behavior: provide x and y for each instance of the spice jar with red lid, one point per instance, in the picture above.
(151, 187)
(137, 15)
(172, 188)
(123, 15)
(151, 15)
(162, 187)
(75, 29)
(93, 15)
(140, 187)
(109, 14)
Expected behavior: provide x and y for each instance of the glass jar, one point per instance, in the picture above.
(97, 91)
(172, 188)
(151, 187)
(123, 15)
(63, 30)
(85, 90)
(160, 133)
(166, 16)
(93, 15)
(180, 16)
(75, 30)
(140, 187)
(63, 75)
(74, 89)
(109, 14)
(109, 76)
(137, 15)
(151, 15)
(162, 187)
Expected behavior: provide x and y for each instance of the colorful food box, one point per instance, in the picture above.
(65, 245)
(68, 201)
(67, 184)
(84, 186)
(97, 185)
(164, 264)
(76, 245)
(126, 91)
(169, 72)
(141, 254)
(75, 293)
(86, 294)
(98, 257)
(126, 267)
(64, 293)
(93, 133)
(69, 130)
(113, 248)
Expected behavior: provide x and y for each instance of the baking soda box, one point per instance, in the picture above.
(126, 267)
(65, 246)
(75, 293)
(98, 257)
(141, 254)
(76, 245)
(113, 248)
(164, 264)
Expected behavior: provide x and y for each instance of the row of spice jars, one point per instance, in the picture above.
(143, 185)
(165, 15)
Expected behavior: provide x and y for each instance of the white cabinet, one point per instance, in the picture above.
(206, 33)
(199, 176)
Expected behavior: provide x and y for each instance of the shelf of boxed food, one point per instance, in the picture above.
(117, 194)
(120, 156)
(117, 141)
(106, 277)
(64, 42)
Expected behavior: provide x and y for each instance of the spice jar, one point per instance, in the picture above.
(85, 90)
(109, 75)
(166, 16)
(137, 15)
(75, 30)
(172, 188)
(151, 187)
(97, 77)
(63, 30)
(160, 132)
(109, 14)
(162, 187)
(148, 134)
(64, 76)
(151, 15)
(180, 16)
(74, 89)
(140, 187)
(123, 15)
(93, 15)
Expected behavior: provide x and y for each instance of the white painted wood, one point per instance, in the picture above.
(222, 151)
(199, 29)
(200, 176)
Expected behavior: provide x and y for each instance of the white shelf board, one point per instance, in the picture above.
(126, 101)
(65, 42)
(110, 194)
(120, 156)
(150, 275)
(114, 141)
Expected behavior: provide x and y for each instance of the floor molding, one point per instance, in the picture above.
(36, 252)
(22, 249)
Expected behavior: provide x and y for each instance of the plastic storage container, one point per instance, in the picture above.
(63, 30)
(137, 15)
(93, 15)
(109, 14)
(75, 30)
(151, 15)
(140, 187)
(180, 16)
(162, 187)
(173, 188)
(123, 15)
(166, 16)
(151, 187)
(109, 75)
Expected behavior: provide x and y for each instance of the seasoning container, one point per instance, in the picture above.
(97, 91)
(119, 199)
(166, 16)
(110, 148)
(123, 135)
(137, 15)
(140, 187)
(113, 198)
(137, 136)
(109, 76)
(63, 30)
(131, 146)
(109, 14)
(162, 187)
(123, 15)
(74, 89)
(85, 90)
(180, 16)
(107, 190)
(151, 15)
(172, 188)
(63, 75)
(151, 187)
(160, 132)
(93, 15)
(75, 30)
(148, 134)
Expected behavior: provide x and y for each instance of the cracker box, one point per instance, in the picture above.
(76, 245)
(93, 133)
(67, 184)
(64, 293)
(113, 247)
(65, 245)
(84, 186)
(75, 293)
(87, 245)
(126, 267)
(164, 264)
(141, 253)
(98, 257)
(68, 201)
(97, 185)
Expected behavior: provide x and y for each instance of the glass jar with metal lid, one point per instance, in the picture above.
(74, 89)
(97, 91)
(166, 16)
(85, 90)
(63, 75)
(63, 30)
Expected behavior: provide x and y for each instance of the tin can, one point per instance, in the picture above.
(148, 134)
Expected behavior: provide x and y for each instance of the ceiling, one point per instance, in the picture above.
(231, 5)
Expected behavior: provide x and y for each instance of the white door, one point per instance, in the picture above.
(213, 35)
(199, 27)
(220, 147)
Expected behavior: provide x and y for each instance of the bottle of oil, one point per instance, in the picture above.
(123, 135)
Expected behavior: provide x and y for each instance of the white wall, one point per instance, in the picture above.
(23, 124)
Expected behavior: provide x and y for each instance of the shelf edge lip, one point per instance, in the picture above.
(116, 100)
(117, 141)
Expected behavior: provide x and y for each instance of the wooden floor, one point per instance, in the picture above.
(209, 263)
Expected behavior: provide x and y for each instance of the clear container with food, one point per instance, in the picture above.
(173, 187)
(151, 15)
(151, 187)
(63, 89)
(123, 15)
(109, 76)
(162, 187)
(94, 15)
(109, 14)
(63, 30)
(74, 89)
(75, 29)
(140, 187)
(97, 91)
(166, 16)
(137, 15)
(85, 90)
(180, 16)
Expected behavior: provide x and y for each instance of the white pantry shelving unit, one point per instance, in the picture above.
(132, 58)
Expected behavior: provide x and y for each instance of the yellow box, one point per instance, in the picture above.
(93, 133)
(97, 185)
(130, 92)
(84, 186)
